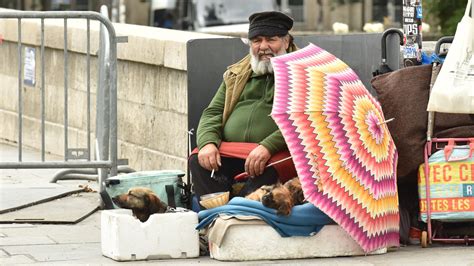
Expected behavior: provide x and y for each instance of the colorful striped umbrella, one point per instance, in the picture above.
(337, 135)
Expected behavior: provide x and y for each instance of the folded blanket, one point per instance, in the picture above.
(305, 220)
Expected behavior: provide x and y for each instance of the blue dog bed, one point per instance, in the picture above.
(304, 220)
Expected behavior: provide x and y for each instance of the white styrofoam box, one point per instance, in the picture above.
(262, 242)
(162, 236)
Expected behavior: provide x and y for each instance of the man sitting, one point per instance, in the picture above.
(240, 113)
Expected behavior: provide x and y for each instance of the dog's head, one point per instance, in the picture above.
(142, 201)
(259, 193)
(294, 186)
(278, 197)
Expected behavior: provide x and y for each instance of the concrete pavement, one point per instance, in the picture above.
(80, 243)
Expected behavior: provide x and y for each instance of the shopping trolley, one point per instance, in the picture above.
(448, 176)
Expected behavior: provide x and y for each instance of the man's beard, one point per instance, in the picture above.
(261, 67)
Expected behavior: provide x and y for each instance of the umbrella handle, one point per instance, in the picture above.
(241, 177)
(384, 40)
(445, 39)
(244, 175)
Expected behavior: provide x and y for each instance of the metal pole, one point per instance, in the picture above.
(43, 141)
(65, 92)
(20, 100)
(113, 102)
(103, 100)
(88, 91)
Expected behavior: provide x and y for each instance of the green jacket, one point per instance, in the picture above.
(249, 120)
(240, 110)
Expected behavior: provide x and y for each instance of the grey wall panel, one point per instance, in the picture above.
(362, 52)
(208, 58)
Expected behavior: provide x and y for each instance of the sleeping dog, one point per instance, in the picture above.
(142, 201)
(280, 197)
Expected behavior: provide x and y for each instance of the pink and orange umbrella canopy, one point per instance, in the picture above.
(343, 152)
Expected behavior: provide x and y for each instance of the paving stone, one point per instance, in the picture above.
(89, 234)
(16, 260)
(9, 226)
(3, 254)
(58, 252)
(25, 240)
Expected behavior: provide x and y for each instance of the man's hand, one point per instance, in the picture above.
(256, 161)
(209, 157)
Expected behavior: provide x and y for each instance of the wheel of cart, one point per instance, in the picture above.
(446, 180)
(424, 239)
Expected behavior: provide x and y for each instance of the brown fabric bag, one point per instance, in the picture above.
(404, 96)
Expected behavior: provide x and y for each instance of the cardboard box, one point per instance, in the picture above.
(162, 236)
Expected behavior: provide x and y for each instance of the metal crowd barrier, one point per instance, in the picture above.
(78, 161)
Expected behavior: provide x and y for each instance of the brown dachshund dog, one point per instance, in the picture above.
(142, 201)
(280, 197)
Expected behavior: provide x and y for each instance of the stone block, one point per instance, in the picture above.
(77, 108)
(54, 138)
(144, 45)
(31, 32)
(54, 66)
(10, 30)
(175, 55)
(31, 134)
(9, 98)
(153, 160)
(2, 24)
(133, 123)
(54, 107)
(77, 75)
(167, 132)
(54, 34)
(142, 158)
(9, 55)
(135, 80)
(9, 128)
(142, 49)
(133, 153)
(77, 35)
(172, 92)
(31, 101)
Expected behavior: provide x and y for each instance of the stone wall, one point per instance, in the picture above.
(152, 90)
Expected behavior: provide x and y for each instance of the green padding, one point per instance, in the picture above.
(155, 180)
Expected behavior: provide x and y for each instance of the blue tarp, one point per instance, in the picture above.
(305, 220)
(429, 59)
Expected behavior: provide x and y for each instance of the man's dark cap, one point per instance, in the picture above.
(269, 23)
